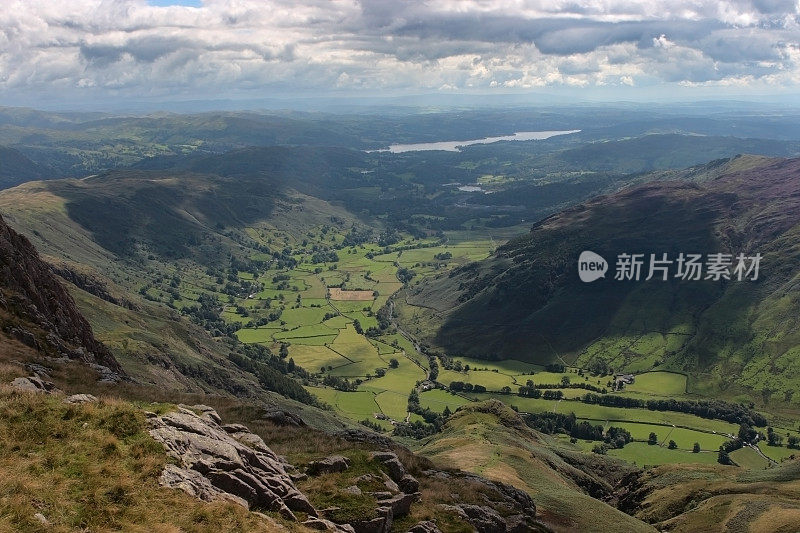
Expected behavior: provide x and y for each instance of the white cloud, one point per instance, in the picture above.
(241, 47)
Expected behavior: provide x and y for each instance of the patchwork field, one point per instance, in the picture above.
(360, 296)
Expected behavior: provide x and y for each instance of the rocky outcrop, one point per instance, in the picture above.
(425, 526)
(334, 463)
(38, 310)
(512, 510)
(33, 384)
(217, 462)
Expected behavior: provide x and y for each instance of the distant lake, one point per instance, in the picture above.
(453, 146)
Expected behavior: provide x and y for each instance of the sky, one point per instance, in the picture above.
(116, 51)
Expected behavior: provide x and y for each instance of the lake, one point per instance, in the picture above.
(454, 146)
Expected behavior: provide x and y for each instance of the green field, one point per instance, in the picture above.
(615, 414)
(748, 458)
(437, 399)
(669, 384)
(643, 454)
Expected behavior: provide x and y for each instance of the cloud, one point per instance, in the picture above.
(124, 48)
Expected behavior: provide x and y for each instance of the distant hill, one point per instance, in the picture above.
(527, 301)
(15, 168)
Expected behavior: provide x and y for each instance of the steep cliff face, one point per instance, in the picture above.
(36, 309)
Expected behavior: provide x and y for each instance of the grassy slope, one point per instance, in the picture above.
(717, 498)
(492, 440)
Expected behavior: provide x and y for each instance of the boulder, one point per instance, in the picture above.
(320, 524)
(401, 504)
(425, 526)
(408, 484)
(484, 519)
(333, 463)
(213, 465)
(33, 384)
(394, 467)
(381, 524)
(280, 417)
(80, 398)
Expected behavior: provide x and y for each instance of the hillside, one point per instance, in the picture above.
(37, 311)
(737, 335)
(491, 440)
(15, 168)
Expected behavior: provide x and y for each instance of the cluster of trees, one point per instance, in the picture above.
(459, 386)
(374, 426)
(206, 313)
(384, 318)
(530, 390)
(357, 236)
(713, 409)
(551, 423)
(339, 383)
(415, 430)
(273, 373)
(324, 256)
(405, 274)
(419, 430)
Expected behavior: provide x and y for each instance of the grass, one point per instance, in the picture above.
(748, 458)
(598, 412)
(94, 467)
(643, 454)
(357, 405)
(668, 384)
(437, 399)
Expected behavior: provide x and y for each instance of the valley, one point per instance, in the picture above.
(430, 297)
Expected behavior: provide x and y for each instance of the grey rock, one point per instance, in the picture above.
(33, 384)
(280, 417)
(320, 524)
(381, 524)
(408, 484)
(358, 435)
(484, 519)
(401, 504)
(333, 463)
(41, 519)
(394, 467)
(352, 489)
(425, 526)
(80, 398)
(391, 485)
(213, 465)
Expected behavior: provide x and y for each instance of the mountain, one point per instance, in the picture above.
(527, 301)
(36, 310)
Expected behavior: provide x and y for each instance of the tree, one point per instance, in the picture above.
(446, 413)
(793, 442)
(565, 381)
(696, 447)
(506, 390)
(723, 458)
(652, 439)
(672, 445)
(393, 363)
(357, 326)
(284, 351)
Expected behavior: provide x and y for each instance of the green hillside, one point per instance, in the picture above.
(729, 336)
